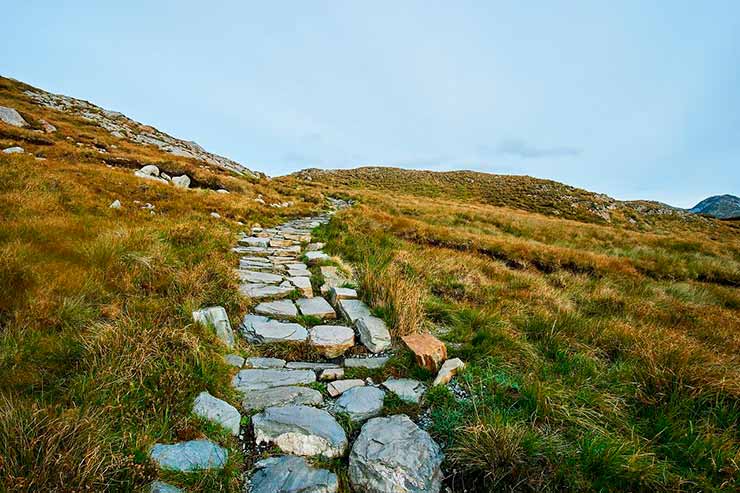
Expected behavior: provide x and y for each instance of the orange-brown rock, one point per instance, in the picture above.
(430, 352)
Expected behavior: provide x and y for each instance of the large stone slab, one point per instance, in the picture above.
(369, 363)
(393, 455)
(374, 333)
(257, 277)
(292, 395)
(299, 273)
(260, 291)
(12, 117)
(302, 284)
(291, 474)
(277, 308)
(354, 309)
(311, 365)
(316, 307)
(216, 317)
(255, 241)
(220, 412)
(338, 387)
(331, 340)
(257, 362)
(300, 430)
(258, 329)
(265, 378)
(316, 257)
(407, 389)
(337, 293)
(361, 403)
(195, 455)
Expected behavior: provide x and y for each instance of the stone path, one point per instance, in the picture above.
(391, 454)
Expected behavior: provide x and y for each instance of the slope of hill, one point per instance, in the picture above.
(720, 206)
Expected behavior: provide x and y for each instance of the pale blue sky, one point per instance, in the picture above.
(637, 99)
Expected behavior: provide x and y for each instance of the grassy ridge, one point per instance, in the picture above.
(599, 358)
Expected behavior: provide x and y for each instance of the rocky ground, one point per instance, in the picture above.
(292, 423)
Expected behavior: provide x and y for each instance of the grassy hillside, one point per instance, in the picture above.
(98, 353)
(600, 358)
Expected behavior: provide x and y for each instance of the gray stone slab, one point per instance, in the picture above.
(316, 307)
(257, 362)
(257, 277)
(361, 403)
(260, 291)
(195, 455)
(291, 474)
(218, 411)
(373, 333)
(300, 430)
(407, 389)
(281, 309)
(258, 329)
(216, 317)
(291, 395)
(265, 378)
(353, 310)
(370, 363)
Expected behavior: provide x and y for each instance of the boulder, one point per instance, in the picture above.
(220, 412)
(12, 117)
(215, 316)
(291, 474)
(48, 127)
(257, 362)
(182, 181)
(361, 403)
(407, 389)
(429, 351)
(393, 455)
(449, 369)
(278, 309)
(149, 170)
(331, 340)
(266, 378)
(195, 455)
(262, 330)
(300, 430)
(374, 333)
(116, 204)
(338, 387)
(316, 307)
(14, 150)
(291, 395)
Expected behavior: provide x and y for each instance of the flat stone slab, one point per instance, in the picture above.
(332, 276)
(291, 474)
(255, 241)
(310, 365)
(297, 266)
(338, 387)
(331, 340)
(300, 430)
(374, 333)
(258, 329)
(302, 284)
(277, 309)
(361, 403)
(234, 360)
(354, 309)
(220, 412)
(394, 455)
(259, 277)
(407, 389)
(449, 369)
(337, 293)
(299, 273)
(161, 487)
(265, 378)
(216, 317)
(259, 291)
(369, 363)
(292, 395)
(12, 117)
(331, 374)
(316, 257)
(257, 362)
(316, 307)
(195, 455)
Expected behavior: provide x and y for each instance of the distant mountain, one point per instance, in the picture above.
(719, 206)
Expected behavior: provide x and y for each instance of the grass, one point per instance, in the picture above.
(600, 356)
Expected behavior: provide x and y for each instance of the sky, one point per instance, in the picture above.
(636, 99)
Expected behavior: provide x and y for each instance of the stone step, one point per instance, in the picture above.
(300, 430)
(282, 309)
(316, 307)
(259, 329)
(291, 474)
(291, 395)
(266, 378)
(360, 403)
(195, 455)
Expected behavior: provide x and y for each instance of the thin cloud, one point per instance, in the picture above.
(522, 149)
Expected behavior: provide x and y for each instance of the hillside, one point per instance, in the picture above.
(720, 206)
(601, 339)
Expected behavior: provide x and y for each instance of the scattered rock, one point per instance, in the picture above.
(449, 369)
(374, 333)
(316, 307)
(234, 360)
(262, 330)
(215, 316)
(369, 363)
(430, 352)
(291, 474)
(361, 403)
(222, 190)
(300, 430)
(332, 340)
(354, 310)
(265, 378)
(218, 411)
(291, 395)
(314, 247)
(407, 389)
(393, 455)
(48, 127)
(12, 117)
(195, 455)
(116, 204)
(338, 387)
(277, 308)
(215, 215)
(14, 150)
(182, 181)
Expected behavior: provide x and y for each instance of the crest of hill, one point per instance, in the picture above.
(520, 192)
(719, 206)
